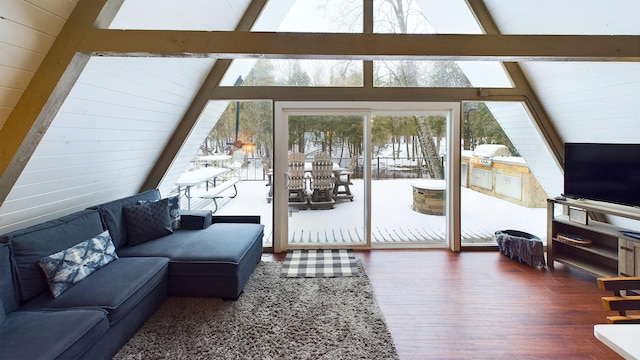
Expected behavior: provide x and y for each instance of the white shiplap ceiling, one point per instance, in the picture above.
(117, 120)
(207, 15)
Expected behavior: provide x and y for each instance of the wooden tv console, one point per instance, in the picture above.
(599, 248)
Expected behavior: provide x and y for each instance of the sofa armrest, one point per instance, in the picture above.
(195, 219)
(247, 219)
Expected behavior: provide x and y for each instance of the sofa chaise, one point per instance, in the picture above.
(78, 287)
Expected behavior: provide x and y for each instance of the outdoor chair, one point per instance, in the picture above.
(341, 189)
(625, 299)
(322, 182)
(266, 165)
(297, 181)
(237, 163)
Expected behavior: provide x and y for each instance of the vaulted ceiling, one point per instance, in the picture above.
(103, 98)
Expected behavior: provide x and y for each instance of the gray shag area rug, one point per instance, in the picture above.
(274, 318)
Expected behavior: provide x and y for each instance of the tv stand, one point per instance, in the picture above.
(607, 251)
(631, 234)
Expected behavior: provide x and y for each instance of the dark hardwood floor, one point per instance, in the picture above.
(483, 305)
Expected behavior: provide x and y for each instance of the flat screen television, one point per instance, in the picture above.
(603, 172)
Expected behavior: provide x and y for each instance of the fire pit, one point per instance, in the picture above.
(429, 196)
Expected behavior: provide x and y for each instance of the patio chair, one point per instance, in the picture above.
(237, 162)
(625, 301)
(322, 182)
(266, 165)
(297, 182)
(341, 189)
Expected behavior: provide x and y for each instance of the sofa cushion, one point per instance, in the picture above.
(118, 287)
(8, 296)
(225, 241)
(165, 246)
(147, 221)
(2, 313)
(65, 268)
(42, 334)
(113, 216)
(33, 243)
(217, 261)
(222, 245)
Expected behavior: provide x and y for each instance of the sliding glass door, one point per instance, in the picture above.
(380, 159)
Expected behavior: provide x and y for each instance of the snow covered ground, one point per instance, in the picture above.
(393, 220)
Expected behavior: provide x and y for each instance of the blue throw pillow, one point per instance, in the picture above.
(147, 221)
(65, 268)
(174, 211)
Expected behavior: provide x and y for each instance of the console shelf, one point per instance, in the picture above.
(610, 253)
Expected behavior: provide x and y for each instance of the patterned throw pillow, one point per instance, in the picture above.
(174, 211)
(65, 268)
(147, 221)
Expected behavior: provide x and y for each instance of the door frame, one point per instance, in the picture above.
(282, 109)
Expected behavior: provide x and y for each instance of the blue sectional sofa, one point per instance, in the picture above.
(54, 306)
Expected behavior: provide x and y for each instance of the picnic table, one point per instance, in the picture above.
(207, 175)
(216, 160)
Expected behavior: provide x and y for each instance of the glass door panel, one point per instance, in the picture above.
(241, 140)
(324, 183)
(408, 187)
(499, 189)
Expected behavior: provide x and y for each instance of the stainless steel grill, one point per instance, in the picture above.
(484, 154)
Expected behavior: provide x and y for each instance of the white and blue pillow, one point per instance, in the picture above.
(67, 267)
(174, 211)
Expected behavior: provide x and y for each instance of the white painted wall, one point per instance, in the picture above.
(106, 137)
(590, 102)
(28, 28)
(519, 127)
(209, 15)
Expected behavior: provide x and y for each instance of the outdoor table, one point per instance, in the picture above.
(193, 178)
(215, 160)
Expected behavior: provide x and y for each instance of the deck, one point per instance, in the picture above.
(394, 222)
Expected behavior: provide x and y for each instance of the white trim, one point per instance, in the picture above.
(283, 109)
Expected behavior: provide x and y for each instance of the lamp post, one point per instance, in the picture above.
(468, 107)
(237, 143)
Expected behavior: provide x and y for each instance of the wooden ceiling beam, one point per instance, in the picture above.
(271, 45)
(199, 102)
(404, 94)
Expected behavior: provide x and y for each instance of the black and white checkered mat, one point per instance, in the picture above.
(319, 263)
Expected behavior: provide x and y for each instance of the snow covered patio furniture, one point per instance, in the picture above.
(297, 181)
(322, 182)
(341, 189)
(521, 246)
